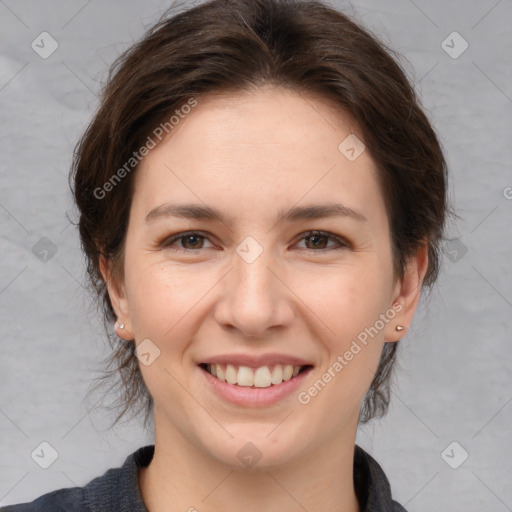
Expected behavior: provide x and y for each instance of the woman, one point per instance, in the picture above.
(261, 202)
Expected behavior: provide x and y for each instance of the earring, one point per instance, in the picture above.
(399, 328)
(120, 325)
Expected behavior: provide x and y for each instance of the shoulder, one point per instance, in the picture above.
(117, 489)
(69, 500)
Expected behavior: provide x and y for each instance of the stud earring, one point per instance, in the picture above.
(399, 328)
(120, 325)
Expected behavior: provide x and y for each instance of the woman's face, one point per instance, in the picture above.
(249, 290)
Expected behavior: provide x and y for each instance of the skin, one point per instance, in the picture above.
(251, 155)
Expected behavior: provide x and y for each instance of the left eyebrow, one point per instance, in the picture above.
(318, 212)
(297, 213)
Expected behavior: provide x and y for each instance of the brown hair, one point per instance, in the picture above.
(234, 46)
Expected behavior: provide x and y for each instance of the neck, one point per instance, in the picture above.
(182, 477)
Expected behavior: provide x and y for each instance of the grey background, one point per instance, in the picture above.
(454, 380)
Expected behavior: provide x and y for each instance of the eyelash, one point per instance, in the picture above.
(167, 243)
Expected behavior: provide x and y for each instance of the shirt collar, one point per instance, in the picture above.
(371, 485)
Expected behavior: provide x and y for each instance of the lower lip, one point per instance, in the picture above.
(252, 396)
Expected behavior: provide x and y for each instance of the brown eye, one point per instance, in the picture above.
(183, 242)
(316, 242)
(194, 241)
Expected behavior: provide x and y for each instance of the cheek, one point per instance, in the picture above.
(160, 298)
(347, 298)
(351, 303)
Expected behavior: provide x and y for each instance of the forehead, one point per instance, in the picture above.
(258, 148)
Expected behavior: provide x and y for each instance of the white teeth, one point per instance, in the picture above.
(220, 372)
(262, 377)
(287, 372)
(277, 374)
(231, 376)
(245, 377)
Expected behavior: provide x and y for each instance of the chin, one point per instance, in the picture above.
(253, 450)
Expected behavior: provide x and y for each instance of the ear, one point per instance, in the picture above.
(117, 294)
(406, 294)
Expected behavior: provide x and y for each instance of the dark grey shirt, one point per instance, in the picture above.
(117, 490)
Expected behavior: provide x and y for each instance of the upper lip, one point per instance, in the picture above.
(256, 361)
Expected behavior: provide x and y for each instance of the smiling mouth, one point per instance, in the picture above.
(262, 377)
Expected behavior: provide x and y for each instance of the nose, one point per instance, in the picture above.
(255, 297)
